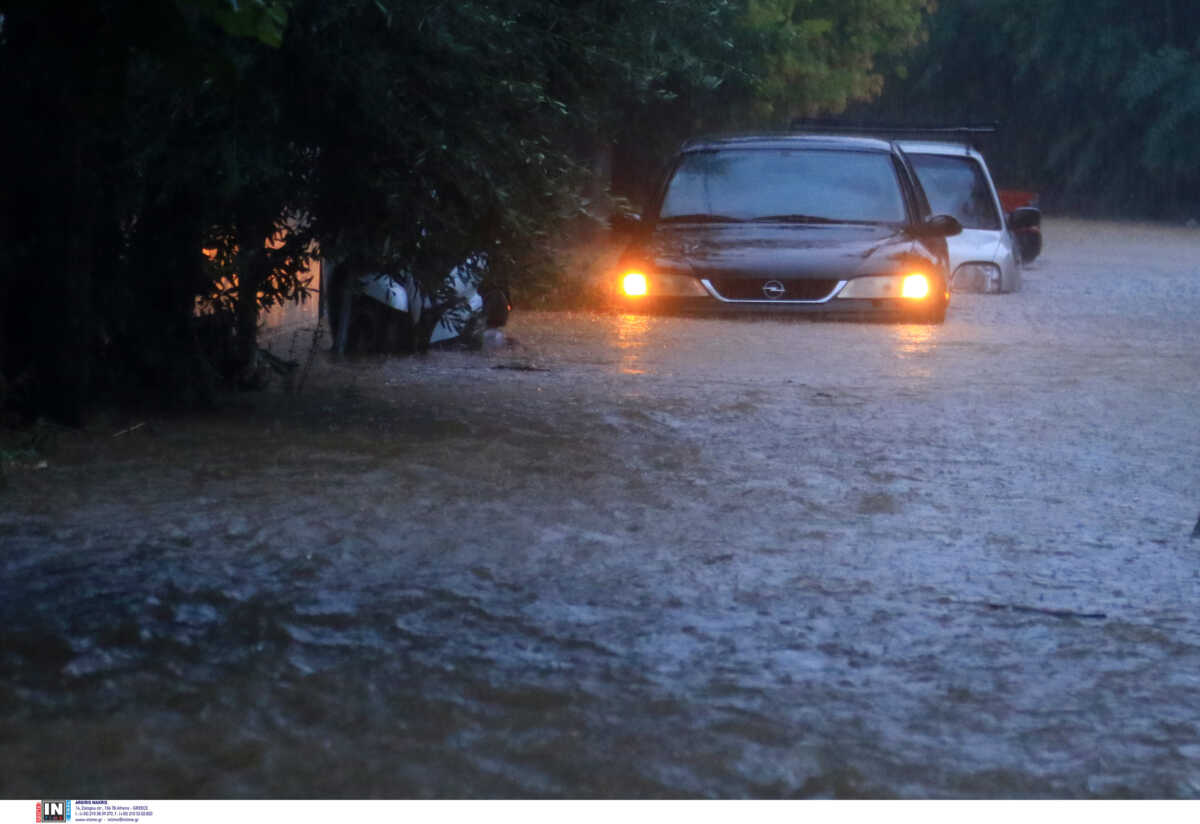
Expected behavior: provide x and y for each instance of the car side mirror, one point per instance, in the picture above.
(1025, 224)
(1027, 217)
(624, 223)
(939, 226)
(1029, 244)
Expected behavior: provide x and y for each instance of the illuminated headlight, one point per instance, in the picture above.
(876, 287)
(915, 287)
(638, 284)
(634, 284)
(976, 277)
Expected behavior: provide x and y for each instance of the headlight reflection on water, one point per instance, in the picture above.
(914, 342)
(631, 341)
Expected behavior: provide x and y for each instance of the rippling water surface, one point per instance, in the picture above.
(644, 557)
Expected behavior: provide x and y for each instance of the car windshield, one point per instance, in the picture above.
(785, 185)
(956, 185)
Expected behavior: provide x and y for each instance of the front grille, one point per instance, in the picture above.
(752, 288)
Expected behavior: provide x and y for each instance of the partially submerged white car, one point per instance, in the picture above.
(379, 312)
(987, 255)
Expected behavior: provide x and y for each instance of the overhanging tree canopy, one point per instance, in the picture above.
(407, 132)
(1100, 99)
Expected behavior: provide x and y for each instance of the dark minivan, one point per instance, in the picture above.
(789, 223)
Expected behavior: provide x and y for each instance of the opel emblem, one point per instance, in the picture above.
(773, 289)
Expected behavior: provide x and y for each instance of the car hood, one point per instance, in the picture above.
(778, 251)
(974, 245)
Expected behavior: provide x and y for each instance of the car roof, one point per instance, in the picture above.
(788, 141)
(939, 147)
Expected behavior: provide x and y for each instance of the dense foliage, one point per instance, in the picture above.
(195, 153)
(1100, 99)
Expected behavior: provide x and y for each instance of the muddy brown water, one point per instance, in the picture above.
(644, 557)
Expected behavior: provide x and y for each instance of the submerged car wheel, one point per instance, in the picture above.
(935, 313)
(495, 308)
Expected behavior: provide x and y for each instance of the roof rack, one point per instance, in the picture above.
(966, 133)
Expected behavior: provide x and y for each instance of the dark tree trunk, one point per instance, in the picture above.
(253, 269)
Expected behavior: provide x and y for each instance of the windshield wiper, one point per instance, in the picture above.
(797, 219)
(700, 218)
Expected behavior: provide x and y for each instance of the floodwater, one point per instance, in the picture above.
(642, 557)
